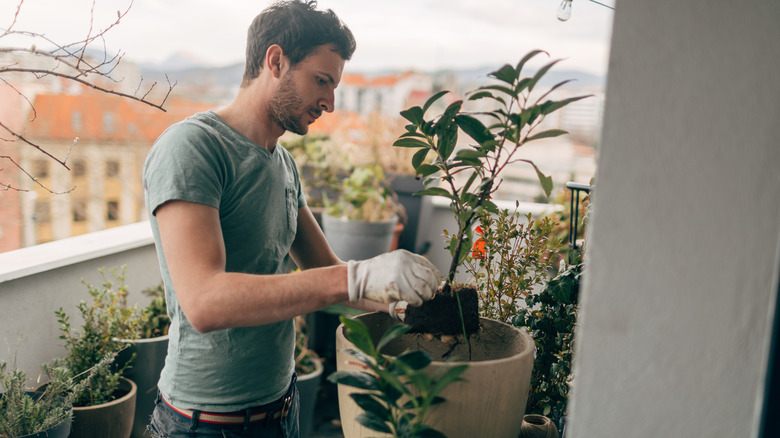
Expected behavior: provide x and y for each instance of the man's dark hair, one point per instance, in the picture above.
(298, 28)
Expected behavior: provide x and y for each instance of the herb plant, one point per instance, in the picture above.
(397, 390)
(107, 320)
(495, 137)
(155, 321)
(24, 411)
(364, 196)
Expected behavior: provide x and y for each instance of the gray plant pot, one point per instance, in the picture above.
(113, 419)
(145, 372)
(308, 385)
(358, 240)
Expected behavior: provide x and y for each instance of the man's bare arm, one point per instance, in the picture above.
(212, 298)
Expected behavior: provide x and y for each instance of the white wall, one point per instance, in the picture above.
(36, 281)
(683, 246)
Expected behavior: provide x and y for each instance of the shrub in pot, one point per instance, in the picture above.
(105, 406)
(146, 356)
(449, 327)
(362, 221)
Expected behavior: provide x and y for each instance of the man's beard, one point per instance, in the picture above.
(286, 108)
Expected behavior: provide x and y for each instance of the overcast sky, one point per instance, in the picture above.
(398, 34)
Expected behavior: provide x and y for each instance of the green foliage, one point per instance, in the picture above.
(363, 196)
(550, 318)
(397, 391)
(513, 255)
(514, 122)
(321, 166)
(305, 359)
(107, 320)
(155, 321)
(24, 411)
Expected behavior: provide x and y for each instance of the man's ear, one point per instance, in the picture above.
(274, 57)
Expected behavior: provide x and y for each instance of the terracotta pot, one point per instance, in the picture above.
(538, 426)
(113, 419)
(489, 402)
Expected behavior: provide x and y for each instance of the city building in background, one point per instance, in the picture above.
(106, 138)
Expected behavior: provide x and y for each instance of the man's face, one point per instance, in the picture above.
(307, 90)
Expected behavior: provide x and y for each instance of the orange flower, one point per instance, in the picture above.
(478, 250)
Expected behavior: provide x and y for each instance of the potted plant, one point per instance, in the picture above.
(396, 388)
(363, 220)
(46, 412)
(308, 367)
(467, 177)
(25, 413)
(146, 354)
(106, 405)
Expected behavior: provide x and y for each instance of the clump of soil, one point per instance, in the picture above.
(440, 316)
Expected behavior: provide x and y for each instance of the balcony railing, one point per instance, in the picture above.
(36, 281)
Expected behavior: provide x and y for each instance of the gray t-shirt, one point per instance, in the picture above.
(258, 193)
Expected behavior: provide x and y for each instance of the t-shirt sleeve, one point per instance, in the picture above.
(183, 165)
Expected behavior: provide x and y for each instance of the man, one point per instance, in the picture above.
(226, 207)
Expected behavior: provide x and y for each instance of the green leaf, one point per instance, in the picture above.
(507, 74)
(481, 95)
(544, 180)
(435, 191)
(414, 115)
(372, 422)
(357, 379)
(448, 138)
(416, 359)
(391, 334)
(547, 134)
(407, 142)
(426, 170)
(525, 59)
(370, 403)
(551, 106)
(419, 157)
(431, 100)
(500, 88)
(474, 128)
(469, 153)
(357, 333)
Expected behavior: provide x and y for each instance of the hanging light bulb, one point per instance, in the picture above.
(564, 10)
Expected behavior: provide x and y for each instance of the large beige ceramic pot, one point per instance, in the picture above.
(489, 402)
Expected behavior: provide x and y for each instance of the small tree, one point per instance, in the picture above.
(76, 62)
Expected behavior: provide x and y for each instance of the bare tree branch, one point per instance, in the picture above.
(71, 62)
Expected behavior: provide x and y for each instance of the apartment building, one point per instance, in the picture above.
(103, 141)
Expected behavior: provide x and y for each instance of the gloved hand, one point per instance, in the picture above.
(397, 310)
(394, 276)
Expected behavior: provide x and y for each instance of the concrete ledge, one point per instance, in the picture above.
(48, 256)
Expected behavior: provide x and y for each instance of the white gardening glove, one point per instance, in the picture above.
(394, 276)
(397, 310)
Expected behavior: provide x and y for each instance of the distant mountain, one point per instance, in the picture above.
(177, 62)
(199, 81)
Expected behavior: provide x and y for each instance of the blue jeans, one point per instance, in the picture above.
(167, 423)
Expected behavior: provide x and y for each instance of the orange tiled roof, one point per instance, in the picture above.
(329, 123)
(359, 80)
(94, 116)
